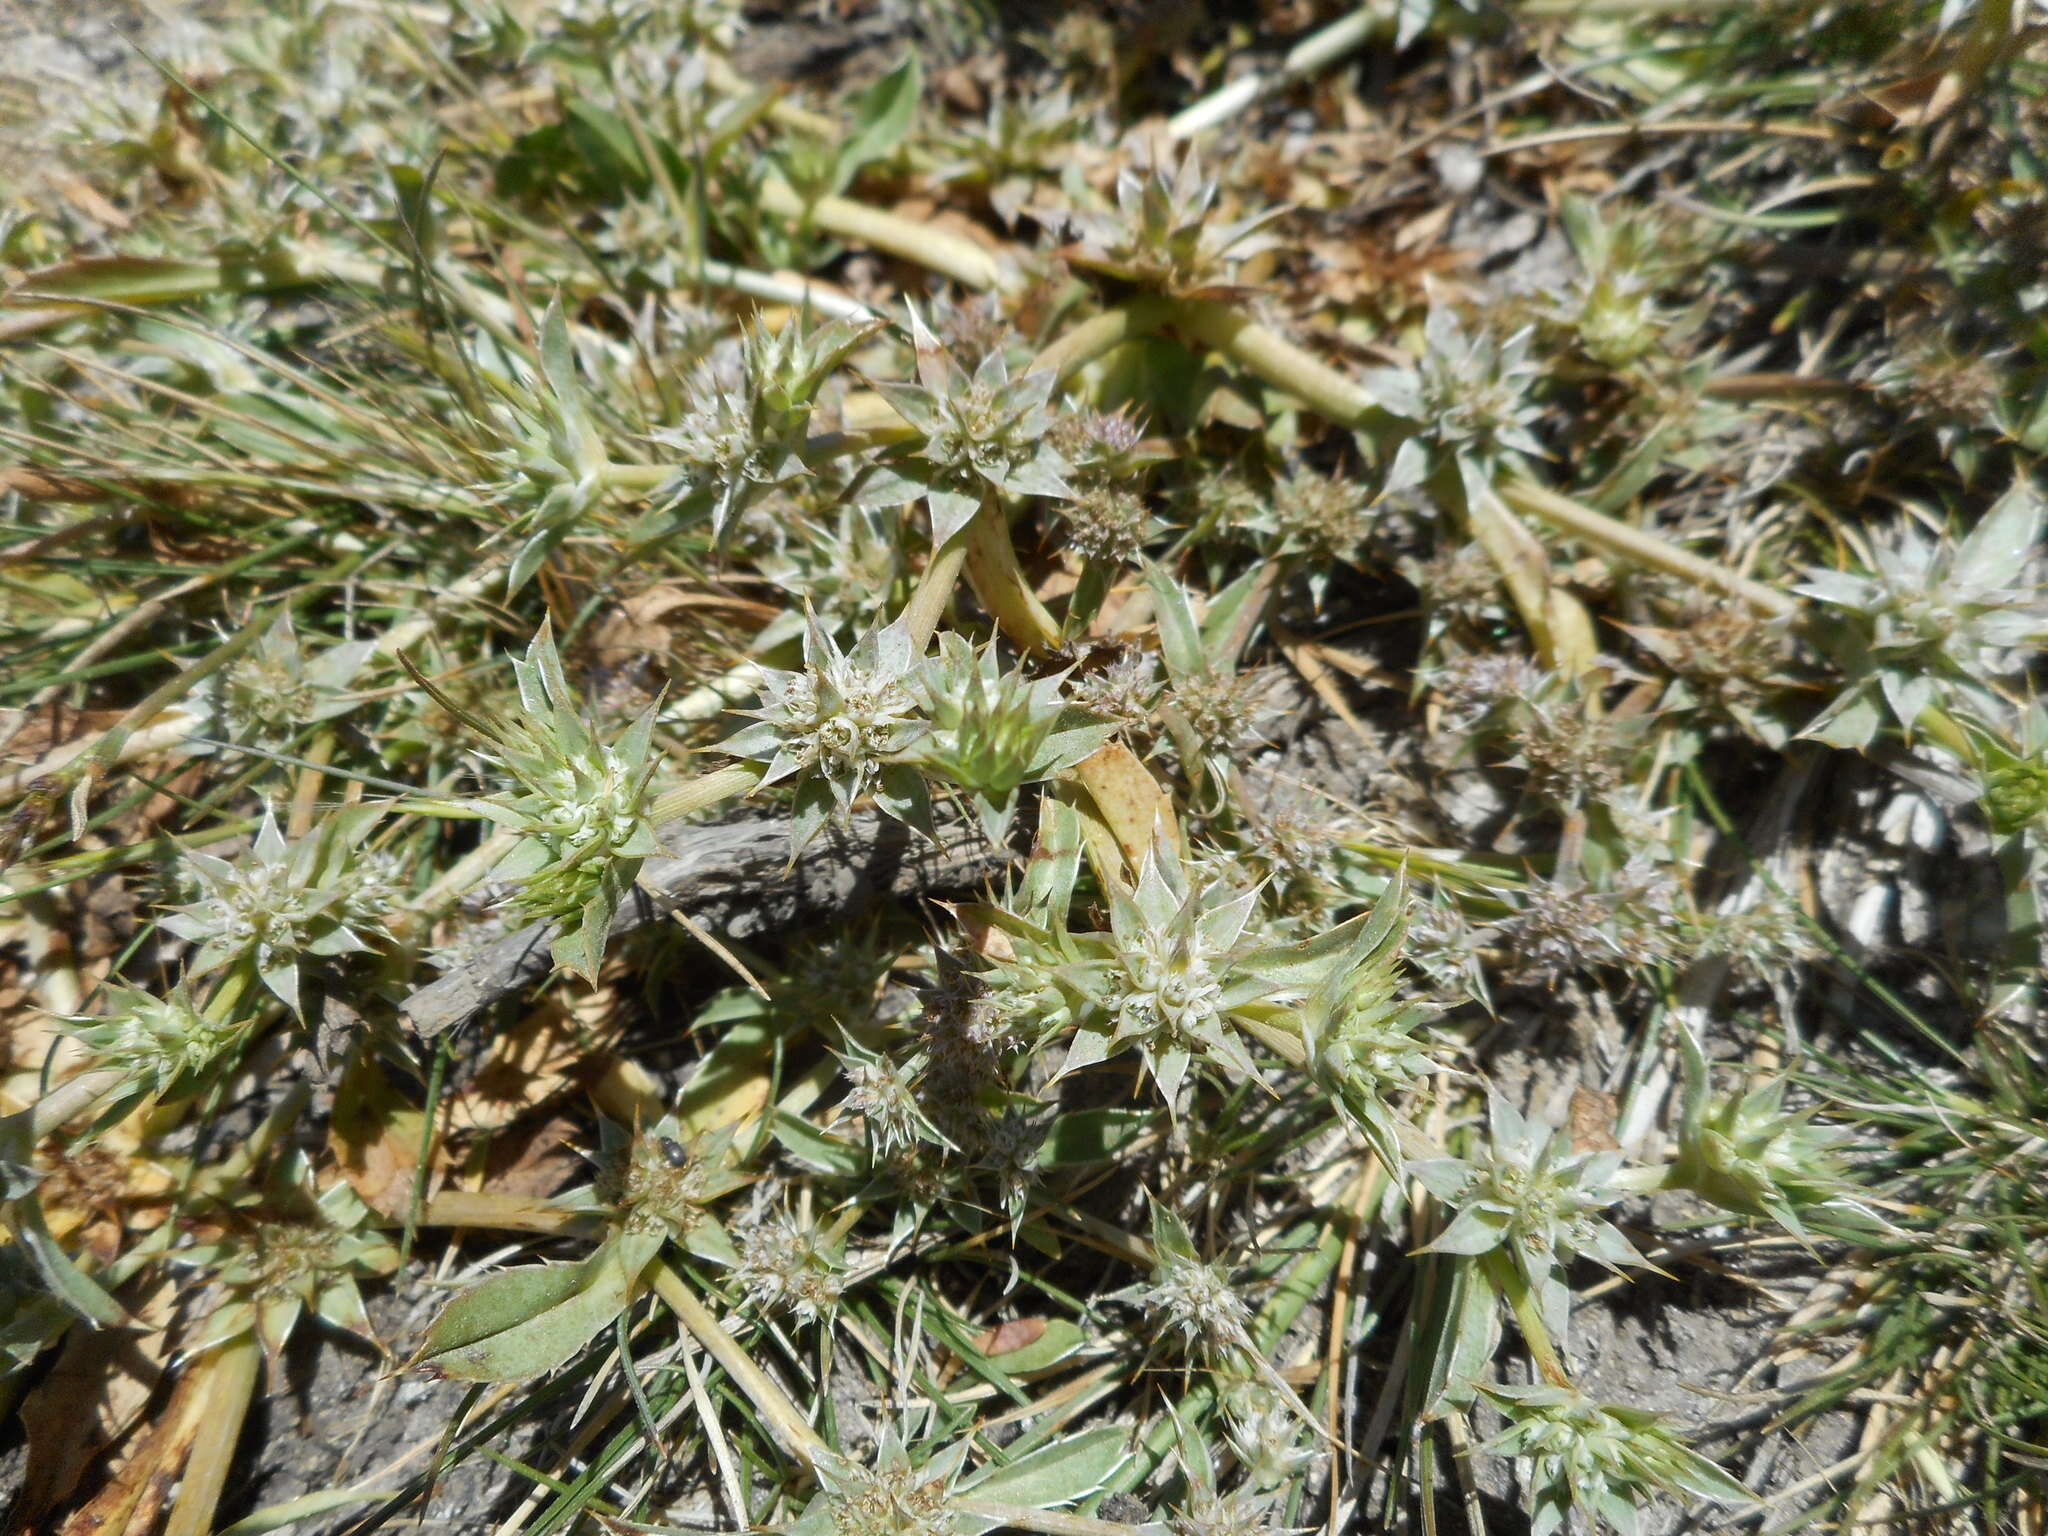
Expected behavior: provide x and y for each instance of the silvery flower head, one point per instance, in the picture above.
(1162, 233)
(1192, 1296)
(895, 1494)
(580, 809)
(1526, 1192)
(279, 904)
(1602, 1460)
(983, 434)
(277, 688)
(165, 1047)
(1167, 981)
(841, 729)
(748, 408)
(1934, 621)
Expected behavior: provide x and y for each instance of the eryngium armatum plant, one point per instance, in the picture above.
(1359, 1039)
(2015, 775)
(1167, 978)
(983, 434)
(1527, 1193)
(296, 1251)
(992, 731)
(282, 903)
(1178, 976)
(842, 728)
(1470, 395)
(1748, 1154)
(891, 1496)
(580, 812)
(276, 690)
(785, 1266)
(1934, 623)
(553, 453)
(1193, 1297)
(166, 1048)
(748, 409)
(1602, 1460)
(1162, 233)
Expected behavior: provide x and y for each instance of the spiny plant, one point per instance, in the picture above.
(1226, 691)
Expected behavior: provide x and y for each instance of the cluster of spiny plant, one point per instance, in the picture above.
(517, 510)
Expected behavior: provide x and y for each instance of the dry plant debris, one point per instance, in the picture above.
(965, 767)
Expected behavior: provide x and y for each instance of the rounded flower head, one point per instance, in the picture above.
(279, 904)
(1169, 980)
(165, 1046)
(1528, 1193)
(984, 432)
(840, 729)
(1191, 1295)
(1599, 1458)
(581, 808)
(1162, 232)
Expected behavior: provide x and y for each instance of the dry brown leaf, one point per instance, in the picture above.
(1591, 1120)
(531, 1064)
(98, 1388)
(1308, 660)
(132, 1500)
(1129, 800)
(1007, 1338)
(375, 1136)
(30, 734)
(534, 1161)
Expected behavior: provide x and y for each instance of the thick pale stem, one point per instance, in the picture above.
(1100, 334)
(68, 1100)
(1305, 58)
(783, 1418)
(999, 582)
(1272, 357)
(1510, 1283)
(229, 1383)
(704, 791)
(1641, 548)
(927, 604)
(1558, 622)
(914, 240)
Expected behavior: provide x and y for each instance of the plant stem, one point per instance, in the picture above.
(230, 1379)
(1100, 334)
(913, 240)
(1272, 357)
(999, 582)
(1510, 1283)
(703, 792)
(927, 604)
(70, 1099)
(1312, 53)
(1639, 547)
(784, 1419)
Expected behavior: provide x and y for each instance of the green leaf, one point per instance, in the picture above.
(606, 145)
(1092, 1135)
(65, 1280)
(1060, 1339)
(1060, 1473)
(812, 1147)
(882, 119)
(1180, 637)
(1222, 616)
(526, 1321)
